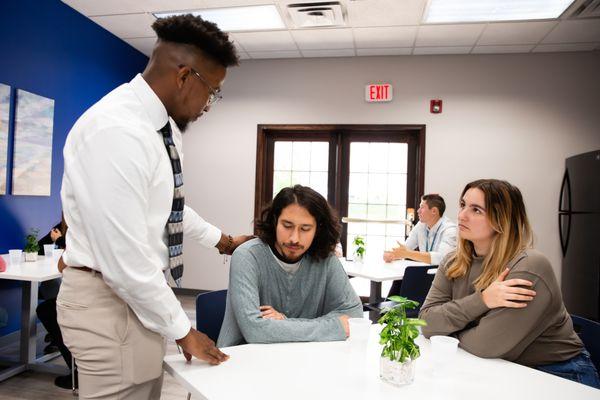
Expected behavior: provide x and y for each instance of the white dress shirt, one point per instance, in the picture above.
(117, 193)
(437, 241)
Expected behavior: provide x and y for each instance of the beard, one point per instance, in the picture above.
(182, 125)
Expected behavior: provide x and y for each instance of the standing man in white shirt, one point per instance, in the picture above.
(434, 235)
(123, 202)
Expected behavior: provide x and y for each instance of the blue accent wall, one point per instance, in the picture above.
(50, 49)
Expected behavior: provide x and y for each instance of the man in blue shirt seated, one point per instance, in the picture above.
(287, 285)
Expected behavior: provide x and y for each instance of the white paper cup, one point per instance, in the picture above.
(56, 253)
(48, 249)
(15, 256)
(359, 329)
(443, 350)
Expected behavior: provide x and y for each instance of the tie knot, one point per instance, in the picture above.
(166, 130)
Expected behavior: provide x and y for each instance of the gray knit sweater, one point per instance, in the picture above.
(312, 298)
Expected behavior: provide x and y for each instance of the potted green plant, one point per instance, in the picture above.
(399, 354)
(31, 246)
(360, 249)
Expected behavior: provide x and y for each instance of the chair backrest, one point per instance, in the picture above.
(416, 284)
(210, 311)
(589, 332)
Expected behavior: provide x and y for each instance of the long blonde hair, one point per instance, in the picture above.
(507, 216)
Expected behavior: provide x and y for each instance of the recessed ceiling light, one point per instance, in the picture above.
(253, 18)
(446, 11)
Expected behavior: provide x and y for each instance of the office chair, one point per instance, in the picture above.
(589, 333)
(210, 311)
(415, 286)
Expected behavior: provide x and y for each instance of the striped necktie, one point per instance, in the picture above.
(175, 223)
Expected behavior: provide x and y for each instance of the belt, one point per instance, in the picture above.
(88, 269)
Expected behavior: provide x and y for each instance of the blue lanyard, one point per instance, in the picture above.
(428, 249)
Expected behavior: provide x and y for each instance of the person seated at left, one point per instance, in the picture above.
(287, 285)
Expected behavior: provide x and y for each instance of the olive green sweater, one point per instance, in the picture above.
(541, 333)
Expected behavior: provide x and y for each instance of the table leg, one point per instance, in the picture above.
(29, 299)
(374, 297)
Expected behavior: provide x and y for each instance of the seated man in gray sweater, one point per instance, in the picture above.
(287, 285)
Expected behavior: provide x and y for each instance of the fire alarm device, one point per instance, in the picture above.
(436, 106)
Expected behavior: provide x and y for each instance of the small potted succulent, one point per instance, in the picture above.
(31, 247)
(360, 250)
(399, 354)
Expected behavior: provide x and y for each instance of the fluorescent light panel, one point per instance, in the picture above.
(252, 18)
(447, 11)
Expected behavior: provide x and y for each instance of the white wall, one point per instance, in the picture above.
(514, 117)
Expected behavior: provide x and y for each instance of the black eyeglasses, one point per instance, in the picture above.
(215, 94)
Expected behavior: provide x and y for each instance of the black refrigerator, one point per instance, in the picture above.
(579, 229)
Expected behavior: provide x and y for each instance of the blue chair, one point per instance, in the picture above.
(589, 333)
(210, 311)
(415, 286)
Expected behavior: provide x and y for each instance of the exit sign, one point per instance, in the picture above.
(378, 92)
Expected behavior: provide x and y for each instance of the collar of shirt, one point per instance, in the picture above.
(157, 113)
(435, 226)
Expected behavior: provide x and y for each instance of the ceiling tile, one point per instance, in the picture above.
(526, 48)
(442, 50)
(106, 7)
(172, 5)
(374, 13)
(329, 53)
(405, 51)
(232, 3)
(515, 33)
(552, 48)
(316, 39)
(580, 31)
(127, 26)
(403, 36)
(265, 41)
(448, 35)
(275, 54)
(145, 45)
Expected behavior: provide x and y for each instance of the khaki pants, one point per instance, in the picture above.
(116, 356)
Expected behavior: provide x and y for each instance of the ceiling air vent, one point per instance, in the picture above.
(583, 9)
(312, 15)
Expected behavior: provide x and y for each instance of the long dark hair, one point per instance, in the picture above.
(328, 226)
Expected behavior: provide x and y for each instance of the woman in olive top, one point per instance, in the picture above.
(499, 297)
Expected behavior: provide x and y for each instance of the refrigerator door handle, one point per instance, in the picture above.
(564, 236)
(565, 189)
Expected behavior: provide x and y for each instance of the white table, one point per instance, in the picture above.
(336, 370)
(30, 274)
(378, 271)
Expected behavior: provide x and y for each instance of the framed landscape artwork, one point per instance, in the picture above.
(4, 122)
(32, 155)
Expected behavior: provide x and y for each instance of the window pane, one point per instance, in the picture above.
(396, 189)
(357, 228)
(377, 188)
(359, 157)
(378, 173)
(318, 181)
(357, 190)
(301, 156)
(375, 229)
(319, 156)
(357, 210)
(398, 157)
(282, 156)
(304, 163)
(375, 246)
(300, 178)
(378, 157)
(281, 179)
(376, 211)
